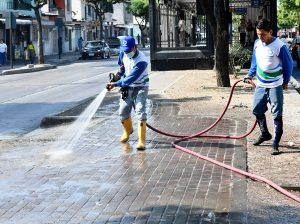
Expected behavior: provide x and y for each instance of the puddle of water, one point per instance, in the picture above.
(63, 147)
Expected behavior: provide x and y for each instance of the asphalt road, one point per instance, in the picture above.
(26, 98)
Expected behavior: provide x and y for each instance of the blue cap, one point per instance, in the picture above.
(127, 43)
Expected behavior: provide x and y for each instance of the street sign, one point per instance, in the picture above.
(255, 3)
(10, 21)
(240, 11)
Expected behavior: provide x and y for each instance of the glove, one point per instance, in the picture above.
(114, 77)
(247, 78)
(110, 86)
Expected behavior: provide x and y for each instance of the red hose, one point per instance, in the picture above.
(202, 134)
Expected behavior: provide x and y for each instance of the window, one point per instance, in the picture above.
(66, 34)
(89, 10)
(52, 4)
(19, 6)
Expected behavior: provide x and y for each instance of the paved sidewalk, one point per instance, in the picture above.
(103, 181)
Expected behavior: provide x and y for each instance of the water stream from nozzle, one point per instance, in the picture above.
(68, 140)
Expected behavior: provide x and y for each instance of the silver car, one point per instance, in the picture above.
(96, 48)
(114, 44)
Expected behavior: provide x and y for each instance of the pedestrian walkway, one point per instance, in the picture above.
(104, 181)
(109, 182)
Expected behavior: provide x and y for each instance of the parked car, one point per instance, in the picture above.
(115, 49)
(114, 44)
(286, 41)
(295, 50)
(96, 48)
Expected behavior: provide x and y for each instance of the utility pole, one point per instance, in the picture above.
(10, 24)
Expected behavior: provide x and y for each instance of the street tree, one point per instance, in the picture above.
(36, 5)
(217, 18)
(289, 13)
(139, 8)
(101, 7)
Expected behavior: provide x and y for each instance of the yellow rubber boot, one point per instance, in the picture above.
(127, 124)
(142, 135)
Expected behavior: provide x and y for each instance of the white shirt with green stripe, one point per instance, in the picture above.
(271, 63)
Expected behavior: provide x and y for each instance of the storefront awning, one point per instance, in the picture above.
(245, 3)
(19, 21)
(123, 26)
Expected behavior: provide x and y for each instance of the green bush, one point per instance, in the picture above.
(238, 57)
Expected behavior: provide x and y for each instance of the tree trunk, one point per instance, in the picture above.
(40, 37)
(142, 36)
(222, 45)
(217, 18)
(101, 27)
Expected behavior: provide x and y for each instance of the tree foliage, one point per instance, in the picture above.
(101, 7)
(289, 13)
(139, 8)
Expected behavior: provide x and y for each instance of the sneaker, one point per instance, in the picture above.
(275, 150)
(262, 138)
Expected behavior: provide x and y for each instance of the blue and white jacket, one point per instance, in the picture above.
(272, 64)
(133, 70)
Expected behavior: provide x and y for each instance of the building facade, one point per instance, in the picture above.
(68, 19)
(22, 33)
(123, 21)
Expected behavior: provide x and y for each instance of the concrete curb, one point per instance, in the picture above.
(72, 113)
(56, 120)
(27, 70)
(66, 116)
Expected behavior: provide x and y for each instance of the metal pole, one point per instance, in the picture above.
(11, 49)
(153, 40)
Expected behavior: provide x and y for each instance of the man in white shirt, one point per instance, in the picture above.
(272, 65)
(3, 50)
(181, 27)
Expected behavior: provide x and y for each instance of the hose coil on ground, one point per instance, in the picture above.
(202, 134)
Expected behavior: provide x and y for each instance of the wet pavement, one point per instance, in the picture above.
(104, 181)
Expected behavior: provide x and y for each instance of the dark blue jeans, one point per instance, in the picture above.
(2, 58)
(263, 96)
